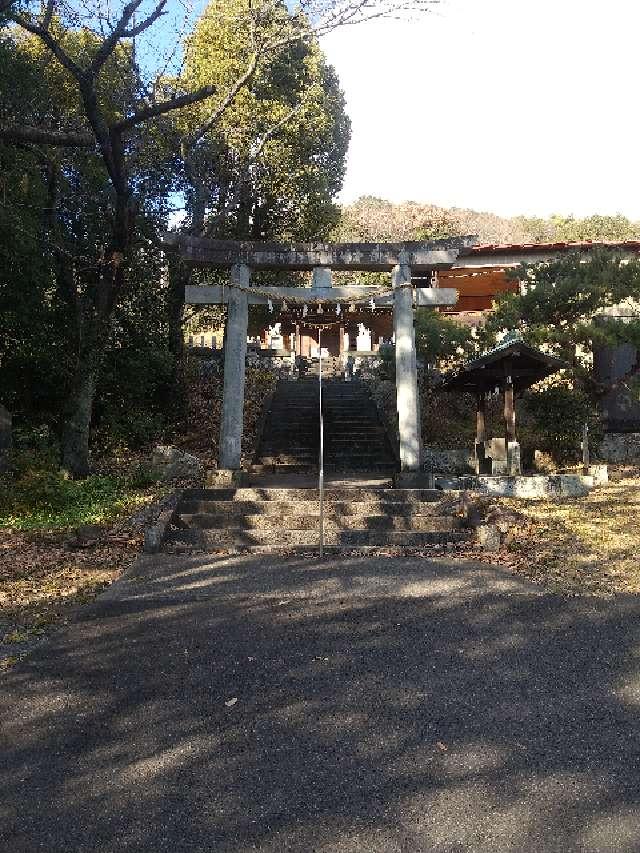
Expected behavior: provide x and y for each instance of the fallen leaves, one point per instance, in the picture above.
(585, 545)
(44, 575)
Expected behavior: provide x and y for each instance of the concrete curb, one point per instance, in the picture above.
(155, 534)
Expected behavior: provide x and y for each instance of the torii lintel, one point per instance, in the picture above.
(363, 257)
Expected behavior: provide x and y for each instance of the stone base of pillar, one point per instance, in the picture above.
(514, 466)
(483, 463)
(220, 478)
(413, 480)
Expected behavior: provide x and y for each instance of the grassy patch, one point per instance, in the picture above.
(44, 571)
(44, 500)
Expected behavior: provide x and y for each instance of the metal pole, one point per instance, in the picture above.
(321, 476)
(586, 461)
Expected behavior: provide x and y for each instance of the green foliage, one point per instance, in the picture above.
(570, 229)
(387, 369)
(440, 341)
(552, 420)
(135, 393)
(562, 308)
(273, 163)
(38, 496)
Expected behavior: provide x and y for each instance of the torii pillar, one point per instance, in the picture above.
(235, 352)
(406, 368)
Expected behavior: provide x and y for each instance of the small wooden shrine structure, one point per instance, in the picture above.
(508, 369)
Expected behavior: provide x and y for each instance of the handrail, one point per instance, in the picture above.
(321, 453)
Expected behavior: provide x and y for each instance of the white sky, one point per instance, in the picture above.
(508, 106)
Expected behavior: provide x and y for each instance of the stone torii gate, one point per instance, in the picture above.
(241, 258)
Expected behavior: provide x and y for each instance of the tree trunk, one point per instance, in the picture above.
(75, 435)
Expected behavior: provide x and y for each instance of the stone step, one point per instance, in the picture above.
(282, 468)
(296, 509)
(434, 549)
(309, 538)
(331, 493)
(333, 522)
(374, 444)
(360, 432)
(306, 455)
(379, 468)
(291, 447)
(360, 460)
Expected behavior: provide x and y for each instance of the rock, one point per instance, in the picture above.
(489, 537)
(84, 536)
(218, 478)
(170, 463)
(504, 520)
(5, 438)
(155, 534)
(474, 508)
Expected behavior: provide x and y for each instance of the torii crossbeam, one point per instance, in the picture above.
(400, 259)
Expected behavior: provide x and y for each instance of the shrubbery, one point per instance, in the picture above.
(36, 494)
(552, 419)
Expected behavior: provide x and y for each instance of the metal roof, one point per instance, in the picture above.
(514, 358)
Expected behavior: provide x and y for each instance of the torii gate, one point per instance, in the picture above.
(402, 260)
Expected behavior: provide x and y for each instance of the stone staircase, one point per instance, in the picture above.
(263, 519)
(354, 437)
(291, 433)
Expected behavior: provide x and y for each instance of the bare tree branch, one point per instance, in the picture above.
(163, 107)
(118, 32)
(47, 39)
(274, 130)
(132, 32)
(41, 136)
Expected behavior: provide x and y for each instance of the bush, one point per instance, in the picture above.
(552, 420)
(37, 495)
(134, 397)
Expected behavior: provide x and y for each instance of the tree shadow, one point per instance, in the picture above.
(380, 704)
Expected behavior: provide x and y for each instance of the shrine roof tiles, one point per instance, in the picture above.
(537, 248)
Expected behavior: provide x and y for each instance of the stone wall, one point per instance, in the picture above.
(620, 447)
(438, 460)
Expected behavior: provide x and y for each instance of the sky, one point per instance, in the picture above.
(509, 106)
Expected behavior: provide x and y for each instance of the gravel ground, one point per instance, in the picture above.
(222, 703)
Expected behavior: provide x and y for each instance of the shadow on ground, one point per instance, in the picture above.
(380, 705)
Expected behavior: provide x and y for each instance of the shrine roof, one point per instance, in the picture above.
(526, 366)
(559, 246)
